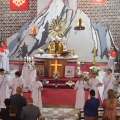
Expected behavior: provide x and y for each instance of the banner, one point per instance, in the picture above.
(18, 4)
(98, 1)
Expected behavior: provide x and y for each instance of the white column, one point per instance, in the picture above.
(41, 4)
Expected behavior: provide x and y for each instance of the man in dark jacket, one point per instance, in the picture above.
(91, 107)
(30, 112)
(18, 101)
(5, 111)
(13, 111)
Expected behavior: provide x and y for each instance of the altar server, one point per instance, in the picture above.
(36, 87)
(2, 56)
(79, 87)
(94, 83)
(6, 50)
(112, 56)
(3, 82)
(17, 81)
(108, 81)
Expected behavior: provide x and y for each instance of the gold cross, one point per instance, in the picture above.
(56, 65)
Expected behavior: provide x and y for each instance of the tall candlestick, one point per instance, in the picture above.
(32, 59)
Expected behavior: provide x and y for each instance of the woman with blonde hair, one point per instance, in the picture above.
(109, 105)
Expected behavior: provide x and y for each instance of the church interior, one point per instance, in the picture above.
(58, 41)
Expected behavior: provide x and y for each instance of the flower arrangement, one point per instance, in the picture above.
(86, 76)
(41, 51)
(31, 66)
(94, 69)
(117, 94)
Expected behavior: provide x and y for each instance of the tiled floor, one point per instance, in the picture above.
(60, 113)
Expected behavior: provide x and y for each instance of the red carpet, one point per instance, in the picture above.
(58, 96)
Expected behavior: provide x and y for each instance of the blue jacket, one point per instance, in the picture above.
(91, 107)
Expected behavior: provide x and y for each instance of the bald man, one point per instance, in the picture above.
(18, 101)
(30, 112)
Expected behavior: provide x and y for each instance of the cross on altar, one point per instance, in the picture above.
(56, 65)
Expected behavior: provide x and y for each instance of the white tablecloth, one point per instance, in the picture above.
(28, 75)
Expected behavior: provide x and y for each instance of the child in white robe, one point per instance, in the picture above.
(80, 94)
(36, 86)
(3, 87)
(17, 81)
(94, 83)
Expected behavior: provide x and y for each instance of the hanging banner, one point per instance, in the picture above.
(98, 1)
(18, 4)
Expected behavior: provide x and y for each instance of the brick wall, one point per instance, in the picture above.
(11, 21)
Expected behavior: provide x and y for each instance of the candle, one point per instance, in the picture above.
(29, 59)
(24, 58)
(32, 59)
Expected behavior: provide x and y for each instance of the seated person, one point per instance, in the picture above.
(5, 111)
(12, 111)
(91, 107)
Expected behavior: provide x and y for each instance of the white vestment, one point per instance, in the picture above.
(6, 60)
(93, 84)
(111, 64)
(108, 81)
(17, 82)
(2, 60)
(80, 95)
(36, 93)
(3, 82)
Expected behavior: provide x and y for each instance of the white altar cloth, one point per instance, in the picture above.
(28, 75)
(51, 56)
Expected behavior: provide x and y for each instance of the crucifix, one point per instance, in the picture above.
(56, 65)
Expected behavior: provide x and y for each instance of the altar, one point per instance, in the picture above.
(54, 64)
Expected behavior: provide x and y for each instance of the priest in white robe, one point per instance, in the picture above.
(6, 59)
(3, 87)
(36, 86)
(80, 94)
(94, 83)
(17, 81)
(108, 81)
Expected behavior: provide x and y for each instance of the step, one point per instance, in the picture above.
(51, 85)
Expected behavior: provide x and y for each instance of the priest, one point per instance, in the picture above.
(6, 62)
(36, 87)
(108, 82)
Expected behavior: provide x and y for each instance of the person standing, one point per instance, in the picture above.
(6, 50)
(3, 87)
(93, 83)
(108, 81)
(30, 112)
(2, 56)
(79, 87)
(91, 107)
(13, 112)
(18, 101)
(17, 81)
(112, 56)
(109, 105)
(5, 111)
(36, 87)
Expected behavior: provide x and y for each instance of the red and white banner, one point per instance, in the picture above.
(98, 1)
(19, 4)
